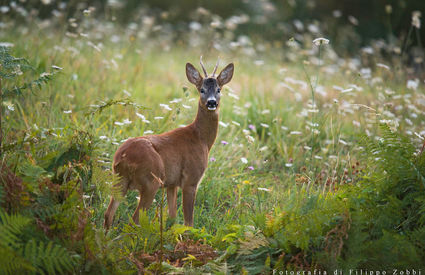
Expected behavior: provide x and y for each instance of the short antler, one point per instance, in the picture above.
(203, 68)
(216, 66)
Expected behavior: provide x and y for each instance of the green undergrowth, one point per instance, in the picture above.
(274, 197)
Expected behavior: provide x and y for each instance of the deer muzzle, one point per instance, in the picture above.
(212, 104)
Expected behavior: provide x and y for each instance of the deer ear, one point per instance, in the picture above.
(226, 75)
(193, 75)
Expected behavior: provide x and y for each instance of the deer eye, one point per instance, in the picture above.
(218, 90)
(202, 91)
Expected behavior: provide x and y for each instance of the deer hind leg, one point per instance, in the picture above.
(147, 193)
(113, 205)
(189, 195)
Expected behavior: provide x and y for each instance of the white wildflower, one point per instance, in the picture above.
(223, 124)
(419, 136)
(412, 84)
(4, 9)
(263, 189)
(158, 117)
(127, 93)
(416, 19)
(264, 148)
(295, 133)
(337, 13)
(299, 25)
(383, 66)
(288, 164)
(250, 139)
(366, 72)
(320, 41)
(353, 20)
(67, 112)
(244, 160)
(9, 105)
(236, 123)
(87, 12)
(259, 62)
(126, 121)
(176, 100)
(313, 28)
(368, 50)
(233, 95)
(147, 132)
(264, 125)
(6, 44)
(215, 24)
(165, 106)
(142, 117)
(91, 44)
(346, 90)
(195, 26)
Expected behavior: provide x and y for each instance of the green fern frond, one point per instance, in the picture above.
(38, 257)
(11, 226)
(48, 258)
(9, 63)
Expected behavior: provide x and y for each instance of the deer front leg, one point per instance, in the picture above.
(189, 195)
(172, 201)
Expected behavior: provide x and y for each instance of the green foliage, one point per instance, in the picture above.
(99, 108)
(12, 67)
(258, 207)
(388, 203)
(17, 254)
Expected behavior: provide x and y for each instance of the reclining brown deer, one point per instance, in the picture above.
(177, 158)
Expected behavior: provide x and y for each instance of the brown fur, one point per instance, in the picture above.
(178, 158)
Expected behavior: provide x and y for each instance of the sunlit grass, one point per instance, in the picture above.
(264, 151)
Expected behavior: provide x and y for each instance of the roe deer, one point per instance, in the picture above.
(177, 158)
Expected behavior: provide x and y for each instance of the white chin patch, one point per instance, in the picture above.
(212, 108)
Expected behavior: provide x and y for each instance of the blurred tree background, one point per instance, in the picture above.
(351, 23)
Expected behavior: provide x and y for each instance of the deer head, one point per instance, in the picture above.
(209, 87)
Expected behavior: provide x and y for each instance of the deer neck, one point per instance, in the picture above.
(206, 124)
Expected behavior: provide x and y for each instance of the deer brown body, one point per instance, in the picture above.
(178, 158)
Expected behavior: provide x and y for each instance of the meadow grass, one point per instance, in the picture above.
(264, 152)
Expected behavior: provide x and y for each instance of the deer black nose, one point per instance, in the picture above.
(212, 102)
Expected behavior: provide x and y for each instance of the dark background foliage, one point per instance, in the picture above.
(273, 20)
